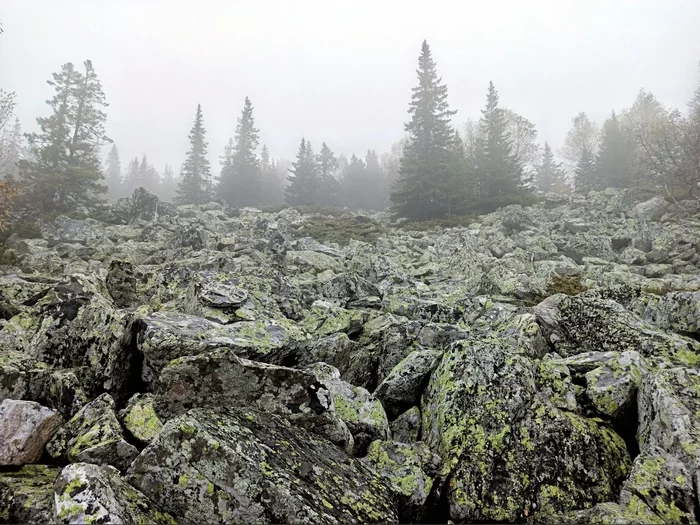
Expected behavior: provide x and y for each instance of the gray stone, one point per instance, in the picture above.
(25, 428)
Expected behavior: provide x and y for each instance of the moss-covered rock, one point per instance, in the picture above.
(93, 435)
(406, 428)
(140, 420)
(233, 465)
(220, 379)
(86, 493)
(26, 494)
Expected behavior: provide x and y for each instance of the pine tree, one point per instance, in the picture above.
(195, 186)
(240, 182)
(355, 183)
(302, 188)
(498, 172)
(585, 178)
(428, 162)
(114, 173)
(550, 175)
(329, 185)
(376, 189)
(65, 175)
(168, 184)
(612, 164)
(131, 178)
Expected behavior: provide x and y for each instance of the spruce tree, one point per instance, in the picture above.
(329, 186)
(549, 175)
(131, 178)
(612, 164)
(148, 176)
(585, 177)
(64, 176)
(240, 180)
(302, 188)
(355, 183)
(376, 191)
(428, 162)
(195, 186)
(114, 173)
(168, 184)
(498, 173)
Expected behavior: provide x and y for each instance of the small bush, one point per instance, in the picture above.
(566, 284)
(342, 230)
(453, 221)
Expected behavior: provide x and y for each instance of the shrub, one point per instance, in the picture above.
(566, 284)
(342, 230)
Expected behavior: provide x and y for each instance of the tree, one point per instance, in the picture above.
(585, 174)
(273, 178)
(376, 188)
(523, 136)
(612, 163)
(113, 173)
(303, 178)
(428, 162)
(498, 172)
(581, 138)
(147, 175)
(195, 186)
(550, 175)
(131, 178)
(64, 175)
(7, 110)
(355, 183)
(239, 183)
(168, 184)
(329, 186)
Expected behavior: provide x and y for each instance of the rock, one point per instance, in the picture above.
(483, 415)
(582, 245)
(356, 407)
(663, 484)
(93, 435)
(195, 237)
(406, 427)
(86, 493)
(589, 324)
(21, 376)
(76, 325)
(144, 206)
(411, 470)
(607, 513)
(164, 336)
(220, 379)
(404, 385)
(25, 428)
(240, 465)
(66, 230)
(140, 420)
(650, 210)
(26, 495)
(677, 311)
(121, 283)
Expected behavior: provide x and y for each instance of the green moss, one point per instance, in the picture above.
(187, 429)
(182, 481)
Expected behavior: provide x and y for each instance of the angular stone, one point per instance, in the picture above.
(406, 427)
(26, 495)
(240, 465)
(86, 493)
(25, 428)
(140, 419)
(93, 435)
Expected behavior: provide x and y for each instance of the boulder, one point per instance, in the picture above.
(72, 231)
(406, 427)
(25, 428)
(86, 493)
(650, 210)
(241, 465)
(26, 494)
(139, 419)
(93, 435)
(403, 387)
(220, 379)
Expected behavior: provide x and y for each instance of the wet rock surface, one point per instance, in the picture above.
(540, 364)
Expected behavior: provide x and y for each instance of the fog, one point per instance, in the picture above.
(343, 73)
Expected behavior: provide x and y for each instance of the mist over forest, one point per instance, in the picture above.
(383, 262)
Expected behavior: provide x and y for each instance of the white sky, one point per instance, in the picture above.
(342, 71)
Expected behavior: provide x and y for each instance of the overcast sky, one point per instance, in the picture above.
(342, 72)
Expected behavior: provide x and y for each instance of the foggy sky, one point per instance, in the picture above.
(343, 71)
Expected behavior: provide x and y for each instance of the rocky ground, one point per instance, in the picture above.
(200, 364)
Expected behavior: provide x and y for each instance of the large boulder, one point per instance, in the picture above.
(93, 435)
(139, 419)
(25, 428)
(73, 231)
(221, 379)
(86, 493)
(26, 494)
(241, 465)
(500, 440)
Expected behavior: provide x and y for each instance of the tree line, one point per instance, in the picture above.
(436, 170)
